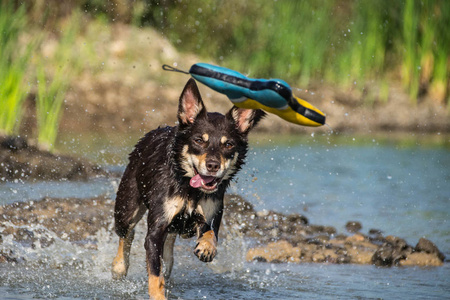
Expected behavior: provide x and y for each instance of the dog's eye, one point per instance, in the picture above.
(199, 141)
(229, 145)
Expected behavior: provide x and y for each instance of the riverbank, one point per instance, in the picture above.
(127, 91)
(276, 237)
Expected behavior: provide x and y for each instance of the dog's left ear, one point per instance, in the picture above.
(191, 104)
(245, 119)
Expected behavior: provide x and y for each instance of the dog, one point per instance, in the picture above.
(179, 175)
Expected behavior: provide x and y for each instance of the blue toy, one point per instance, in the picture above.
(273, 95)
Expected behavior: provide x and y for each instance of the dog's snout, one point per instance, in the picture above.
(212, 165)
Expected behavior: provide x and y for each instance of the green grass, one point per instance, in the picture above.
(14, 61)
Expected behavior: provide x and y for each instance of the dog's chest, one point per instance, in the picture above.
(185, 214)
(181, 214)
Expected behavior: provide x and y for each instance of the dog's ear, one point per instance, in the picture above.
(245, 119)
(191, 104)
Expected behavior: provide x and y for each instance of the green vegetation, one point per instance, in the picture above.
(19, 68)
(13, 67)
(350, 43)
(51, 93)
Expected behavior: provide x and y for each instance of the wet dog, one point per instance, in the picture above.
(179, 175)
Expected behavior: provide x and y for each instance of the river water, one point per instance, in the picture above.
(403, 190)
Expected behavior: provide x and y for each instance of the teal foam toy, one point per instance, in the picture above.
(272, 95)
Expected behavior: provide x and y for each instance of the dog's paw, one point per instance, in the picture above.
(119, 268)
(206, 248)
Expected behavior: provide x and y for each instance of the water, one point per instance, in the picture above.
(404, 191)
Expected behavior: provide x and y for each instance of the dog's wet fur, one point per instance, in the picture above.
(179, 175)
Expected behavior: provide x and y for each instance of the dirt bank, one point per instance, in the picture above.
(278, 237)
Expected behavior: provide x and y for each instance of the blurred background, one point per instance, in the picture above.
(371, 66)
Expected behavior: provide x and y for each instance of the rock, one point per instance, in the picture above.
(324, 255)
(19, 160)
(391, 252)
(297, 219)
(288, 238)
(237, 204)
(267, 226)
(374, 231)
(422, 259)
(14, 143)
(353, 226)
(70, 219)
(355, 238)
(427, 246)
(7, 257)
(318, 240)
(376, 236)
(277, 252)
(383, 257)
(362, 256)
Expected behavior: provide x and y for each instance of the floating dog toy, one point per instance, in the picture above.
(273, 95)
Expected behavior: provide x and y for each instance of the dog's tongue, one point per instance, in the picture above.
(196, 181)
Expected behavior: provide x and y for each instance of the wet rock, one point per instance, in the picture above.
(427, 246)
(281, 238)
(7, 257)
(70, 219)
(14, 143)
(318, 240)
(322, 255)
(277, 252)
(391, 252)
(422, 259)
(353, 226)
(376, 236)
(356, 238)
(297, 219)
(360, 255)
(267, 226)
(374, 231)
(19, 160)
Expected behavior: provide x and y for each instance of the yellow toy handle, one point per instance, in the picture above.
(286, 113)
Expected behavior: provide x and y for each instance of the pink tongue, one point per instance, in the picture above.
(196, 181)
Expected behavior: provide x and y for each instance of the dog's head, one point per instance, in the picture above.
(211, 146)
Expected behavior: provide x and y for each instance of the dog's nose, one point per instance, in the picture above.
(212, 165)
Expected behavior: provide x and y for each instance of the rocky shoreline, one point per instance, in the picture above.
(290, 238)
(21, 161)
(275, 237)
(278, 238)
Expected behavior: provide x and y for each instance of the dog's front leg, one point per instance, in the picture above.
(154, 243)
(208, 234)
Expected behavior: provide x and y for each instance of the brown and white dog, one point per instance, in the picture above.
(180, 174)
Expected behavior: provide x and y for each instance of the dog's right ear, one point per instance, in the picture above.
(191, 104)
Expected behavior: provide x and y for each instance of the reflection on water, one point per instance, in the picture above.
(403, 191)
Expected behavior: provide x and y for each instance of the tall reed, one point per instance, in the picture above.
(14, 63)
(51, 89)
(352, 43)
